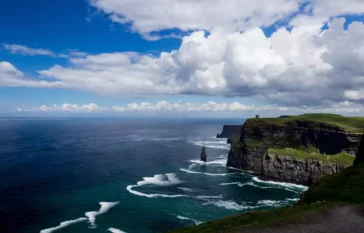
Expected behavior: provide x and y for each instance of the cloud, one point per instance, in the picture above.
(157, 15)
(231, 15)
(24, 50)
(164, 107)
(298, 65)
(27, 51)
(10, 76)
(303, 66)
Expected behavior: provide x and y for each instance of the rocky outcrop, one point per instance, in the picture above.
(203, 155)
(250, 152)
(360, 153)
(294, 170)
(230, 131)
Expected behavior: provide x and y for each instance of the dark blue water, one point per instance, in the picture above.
(145, 173)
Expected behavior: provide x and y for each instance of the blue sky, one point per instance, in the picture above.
(196, 58)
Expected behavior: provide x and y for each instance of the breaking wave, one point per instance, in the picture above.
(115, 230)
(212, 142)
(204, 173)
(213, 162)
(63, 225)
(157, 180)
(282, 184)
(105, 206)
(189, 219)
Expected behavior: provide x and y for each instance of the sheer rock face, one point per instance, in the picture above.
(230, 131)
(203, 155)
(257, 136)
(360, 153)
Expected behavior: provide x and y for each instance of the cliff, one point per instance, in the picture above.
(230, 131)
(360, 153)
(333, 204)
(300, 149)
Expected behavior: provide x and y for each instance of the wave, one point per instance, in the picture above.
(230, 205)
(218, 162)
(276, 203)
(287, 185)
(115, 230)
(187, 189)
(232, 183)
(261, 187)
(204, 173)
(63, 225)
(209, 197)
(158, 180)
(215, 143)
(189, 219)
(105, 206)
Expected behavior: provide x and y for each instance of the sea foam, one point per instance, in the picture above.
(105, 206)
(204, 173)
(283, 184)
(189, 219)
(229, 204)
(115, 230)
(157, 180)
(213, 162)
(63, 225)
(215, 143)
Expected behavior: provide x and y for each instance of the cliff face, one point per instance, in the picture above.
(360, 153)
(258, 135)
(230, 131)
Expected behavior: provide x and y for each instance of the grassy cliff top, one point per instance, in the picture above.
(350, 124)
(341, 158)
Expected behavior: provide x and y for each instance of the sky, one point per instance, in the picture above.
(185, 58)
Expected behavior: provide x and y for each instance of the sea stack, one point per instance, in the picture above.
(203, 154)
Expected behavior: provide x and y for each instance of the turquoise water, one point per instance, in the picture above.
(113, 175)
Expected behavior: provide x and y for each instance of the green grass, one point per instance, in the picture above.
(257, 219)
(347, 186)
(341, 158)
(350, 124)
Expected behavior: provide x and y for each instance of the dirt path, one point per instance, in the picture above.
(340, 219)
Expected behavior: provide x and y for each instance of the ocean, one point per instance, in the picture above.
(122, 175)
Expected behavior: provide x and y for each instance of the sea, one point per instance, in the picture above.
(123, 175)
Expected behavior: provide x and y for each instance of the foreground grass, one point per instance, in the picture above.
(255, 219)
(337, 189)
(350, 124)
(347, 186)
(341, 158)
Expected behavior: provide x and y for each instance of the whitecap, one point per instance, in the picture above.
(105, 206)
(115, 230)
(158, 180)
(215, 143)
(230, 205)
(232, 183)
(63, 225)
(209, 197)
(189, 219)
(130, 189)
(204, 173)
(187, 189)
(213, 162)
(288, 185)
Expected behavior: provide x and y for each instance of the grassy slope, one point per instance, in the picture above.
(350, 124)
(345, 187)
(341, 158)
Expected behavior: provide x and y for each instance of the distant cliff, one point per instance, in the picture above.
(230, 131)
(299, 149)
